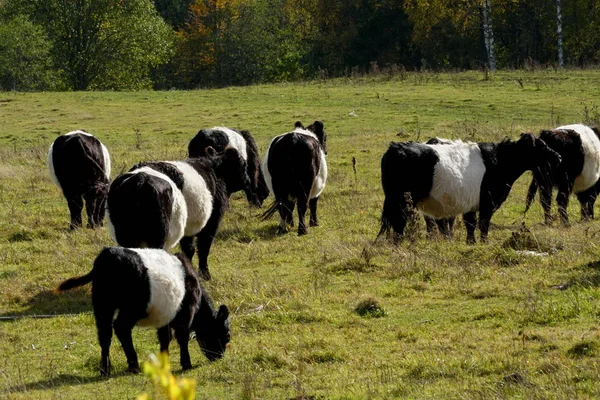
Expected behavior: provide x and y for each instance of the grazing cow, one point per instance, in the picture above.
(444, 225)
(579, 147)
(150, 215)
(461, 178)
(221, 138)
(295, 170)
(79, 165)
(152, 288)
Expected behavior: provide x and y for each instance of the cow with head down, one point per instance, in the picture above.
(446, 180)
(578, 173)
(79, 165)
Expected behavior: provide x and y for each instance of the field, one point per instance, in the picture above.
(451, 320)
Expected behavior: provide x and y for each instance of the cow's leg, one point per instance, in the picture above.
(546, 201)
(562, 199)
(104, 318)
(187, 246)
(430, 224)
(289, 218)
(485, 216)
(204, 240)
(443, 225)
(450, 227)
(252, 197)
(587, 200)
(312, 205)
(302, 206)
(75, 203)
(470, 220)
(100, 209)
(90, 208)
(164, 338)
(285, 208)
(182, 334)
(123, 326)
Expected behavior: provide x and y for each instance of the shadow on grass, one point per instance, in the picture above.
(59, 381)
(590, 276)
(47, 304)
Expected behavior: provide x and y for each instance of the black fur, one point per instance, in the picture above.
(79, 167)
(139, 205)
(144, 208)
(224, 174)
(504, 163)
(120, 282)
(164, 168)
(400, 158)
(294, 162)
(568, 144)
(256, 191)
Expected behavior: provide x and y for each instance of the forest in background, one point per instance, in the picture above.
(191, 44)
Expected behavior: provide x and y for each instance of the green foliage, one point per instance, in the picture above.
(369, 307)
(102, 44)
(24, 56)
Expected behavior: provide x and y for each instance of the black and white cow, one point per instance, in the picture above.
(579, 171)
(79, 165)
(221, 138)
(158, 204)
(296, 170)
(444, 181)
(444, 225)
(152, 288)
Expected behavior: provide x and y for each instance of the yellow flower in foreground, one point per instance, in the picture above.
(159, 370)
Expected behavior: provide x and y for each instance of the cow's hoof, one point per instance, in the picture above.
(186, 366)
(204, 274)
(133, 369)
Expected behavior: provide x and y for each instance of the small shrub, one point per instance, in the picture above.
(369, 308)
(583, 349)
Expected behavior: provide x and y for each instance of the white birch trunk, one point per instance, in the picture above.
(488, 34)
(559, 33)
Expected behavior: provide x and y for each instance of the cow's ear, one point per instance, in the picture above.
(210, 151)
(298, 124)
(318, 125)
(223, 312)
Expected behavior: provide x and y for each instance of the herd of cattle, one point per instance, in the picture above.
(159, 204)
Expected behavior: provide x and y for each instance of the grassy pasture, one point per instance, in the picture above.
(456, 321)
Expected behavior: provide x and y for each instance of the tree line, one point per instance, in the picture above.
(188, 44)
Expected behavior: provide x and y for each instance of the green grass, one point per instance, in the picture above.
(452, 321)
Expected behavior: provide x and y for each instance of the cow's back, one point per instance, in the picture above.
(293, 161)
(78, 160)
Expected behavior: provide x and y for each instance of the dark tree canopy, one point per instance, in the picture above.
(130, 44)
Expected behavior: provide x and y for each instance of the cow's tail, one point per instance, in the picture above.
(270, 211)
(75, 282)
(386, 222)
(533, 187)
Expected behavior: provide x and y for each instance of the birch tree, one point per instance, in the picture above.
(488, 34)
(559, 33)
